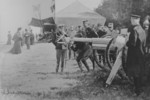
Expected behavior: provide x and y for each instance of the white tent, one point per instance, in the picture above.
(75, 13)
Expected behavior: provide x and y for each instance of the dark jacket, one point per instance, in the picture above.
(90, 33)
(58, 45)
(101, 33)
(136, 51)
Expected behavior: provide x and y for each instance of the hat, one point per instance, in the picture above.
(85, 21)
(135, 16)
(60, 25)
(99, 24)
(136, 13)
(19, 28)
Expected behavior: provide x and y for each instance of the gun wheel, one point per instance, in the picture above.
(111, 53)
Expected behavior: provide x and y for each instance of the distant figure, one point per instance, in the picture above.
(111, 30)
(23, 39)
(17, 42)
(27, 38)
(31, 38)
(9, 38)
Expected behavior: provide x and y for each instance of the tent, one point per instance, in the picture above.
(39, 26)
(75, 13)
(40, 23)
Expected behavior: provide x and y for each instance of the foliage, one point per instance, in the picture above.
(120, 10)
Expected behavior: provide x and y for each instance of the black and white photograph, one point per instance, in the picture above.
(74, 49)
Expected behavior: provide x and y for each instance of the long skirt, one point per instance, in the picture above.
(16, 48)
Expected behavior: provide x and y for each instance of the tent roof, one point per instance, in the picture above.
(78, 10)
(39, 23)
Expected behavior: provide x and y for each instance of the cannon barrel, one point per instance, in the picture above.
(97, 43)
(93, 40)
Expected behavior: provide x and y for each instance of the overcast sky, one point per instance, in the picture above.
(15, 13)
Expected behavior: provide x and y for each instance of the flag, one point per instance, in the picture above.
(52, 8)
(37, 11)
(36, 8)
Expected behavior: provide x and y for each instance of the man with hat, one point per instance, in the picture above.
(136, 51)
(60, 48)
(88, 32)
(27, 37)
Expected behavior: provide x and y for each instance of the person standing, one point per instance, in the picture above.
(31, 38)
(23, 39)
(60, 49)
(136, 50)
(9, 38)
(146, 25)
(17, 42)
(27, 38)
(71, 33)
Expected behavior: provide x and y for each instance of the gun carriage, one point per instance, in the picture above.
(107, 44)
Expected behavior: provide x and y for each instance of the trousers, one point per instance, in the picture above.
(60, 56)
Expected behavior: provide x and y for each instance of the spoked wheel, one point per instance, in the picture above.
(97, 60)
(111, 53)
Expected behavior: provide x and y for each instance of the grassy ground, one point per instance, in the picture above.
(31, 76)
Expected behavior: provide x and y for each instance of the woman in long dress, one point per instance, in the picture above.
(17, 42)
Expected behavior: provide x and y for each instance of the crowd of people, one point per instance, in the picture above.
(20, 39)
(65, 49)
(137, 43)
(135, 57)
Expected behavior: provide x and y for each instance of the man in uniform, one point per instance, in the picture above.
(89, 32)
(27, 38)
(60, 49)
(136, 50)
(31, 37)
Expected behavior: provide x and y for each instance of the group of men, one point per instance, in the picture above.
(136, 44)
(99, 31)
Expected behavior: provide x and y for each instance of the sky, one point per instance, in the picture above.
(18, 13)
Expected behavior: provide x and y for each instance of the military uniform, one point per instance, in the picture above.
(84, 51)
(27, 39)
(135, 56)
(60, 53)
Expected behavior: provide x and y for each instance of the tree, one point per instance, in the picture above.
(120, 10)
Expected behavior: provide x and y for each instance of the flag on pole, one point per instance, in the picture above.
(36, 8)
(36, 11)
(52, 8)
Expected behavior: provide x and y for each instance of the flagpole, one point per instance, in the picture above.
(39, 13)
(54, 12)
(40, 18)
(52, 8)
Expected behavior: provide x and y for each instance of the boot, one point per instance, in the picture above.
(80, 66)
(62, 69)
(86, 65)
(57, 68)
